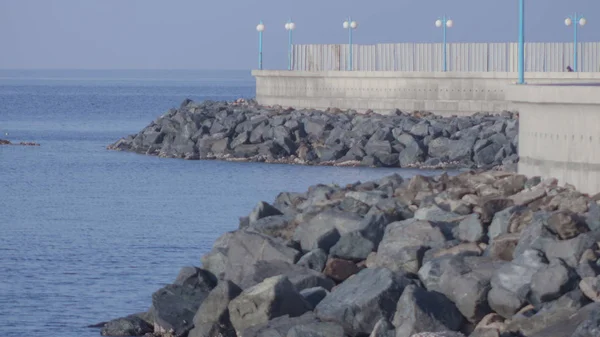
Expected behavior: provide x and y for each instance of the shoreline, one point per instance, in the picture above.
(478, 254)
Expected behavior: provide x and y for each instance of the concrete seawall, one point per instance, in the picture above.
(444, 93)
(559, 132)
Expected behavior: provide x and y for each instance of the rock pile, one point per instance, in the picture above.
(246, 131)
(487, 254)
(8, 142)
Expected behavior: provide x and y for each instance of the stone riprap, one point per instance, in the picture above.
(243, 130)
(478, 254)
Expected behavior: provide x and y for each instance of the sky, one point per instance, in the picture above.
(221, 34)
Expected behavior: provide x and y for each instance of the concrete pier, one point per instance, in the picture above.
(445, 93)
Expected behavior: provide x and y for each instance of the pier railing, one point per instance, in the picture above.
(462, 57)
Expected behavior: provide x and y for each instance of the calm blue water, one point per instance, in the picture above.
(87, 234)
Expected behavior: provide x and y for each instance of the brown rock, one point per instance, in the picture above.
(526, 197)
(489, 207)
(566, 225)
(461, 248)
(503, 246)
(571, 200)
(339, 270)
(511, 185)
(519, 220)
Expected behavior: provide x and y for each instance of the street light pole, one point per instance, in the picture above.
(521, 42)
(290, 26)
(444, 22)
(350, 25)
(260, 28)
(575, 20)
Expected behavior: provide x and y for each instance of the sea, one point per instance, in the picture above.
(88, 234)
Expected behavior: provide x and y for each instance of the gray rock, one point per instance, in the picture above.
(451, 150)
(271, 298)
(419, 310)
(278, 327)
(512, 282)
(352, 246)
(551, 281)
(315, 260)
(263, 210)
(300, 276)
(501, 220)
(212, 317)
(246, 248)
(464, 279)
(405, 242)
(470, 229)
(320, 329)
(174, 307)
(383, 328)
(361, 301)
(314, 296)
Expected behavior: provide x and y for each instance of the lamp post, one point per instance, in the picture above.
(575, 20)
(260, 28)
(444, 22)
(521, 57)
(350, 25)
(290, 26)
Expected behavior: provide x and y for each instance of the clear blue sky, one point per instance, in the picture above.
(220, 34)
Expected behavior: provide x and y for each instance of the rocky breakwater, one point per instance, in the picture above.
(246, 131)
(488, 254)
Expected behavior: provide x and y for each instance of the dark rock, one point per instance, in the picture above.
(212, 318)
(419, 310)
(315, 295)
(174, 307)
(132, 325)
(464, 279)
(360, 302)
(263, 210)
(272, 298)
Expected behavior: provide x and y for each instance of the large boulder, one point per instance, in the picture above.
(320, 231)
(174, 306)
(361, 301)
(274, 297)
(465, 279)
(212, 318)
(300, 276)
(405, 242)
(243, 250)
(511, 283)
(419, 310)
